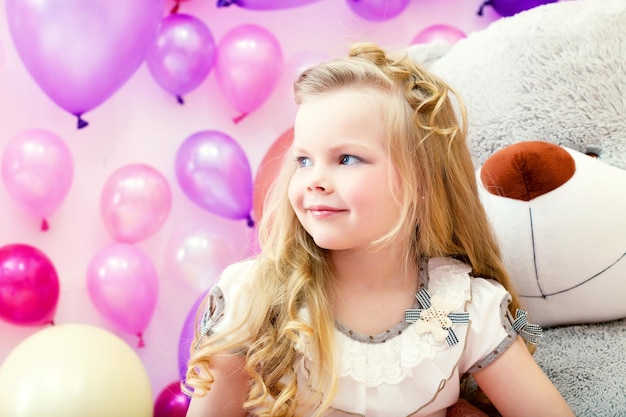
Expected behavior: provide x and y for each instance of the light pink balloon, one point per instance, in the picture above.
(196, 255)
(37, 170)
(123, 285)
(135, 202)
(248, 66)
(80, 52)
(439, 32)
(378, 10)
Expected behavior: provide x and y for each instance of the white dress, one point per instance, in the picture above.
(415, 368)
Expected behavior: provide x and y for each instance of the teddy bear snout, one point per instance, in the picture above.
(527, 170)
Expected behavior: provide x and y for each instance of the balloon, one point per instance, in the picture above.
(268, 169)
(214, 172)
(29, 286)
(135, 202)
(183, 54)
(378, 10)
(439, 32)
(511, 7)
(171, 402)
(196, 255)
(264, 4)
(187, 335)
(248, 66)
(74, 370)
(80, 52)
(123, 286)
(37, 170)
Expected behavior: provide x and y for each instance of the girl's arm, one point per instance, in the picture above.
(517, 386)
(228, 391)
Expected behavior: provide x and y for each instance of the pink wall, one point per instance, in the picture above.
(142, 123)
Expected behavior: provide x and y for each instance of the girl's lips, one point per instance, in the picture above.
(323, 212)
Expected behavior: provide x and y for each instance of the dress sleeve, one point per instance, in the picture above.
(226, 304)
(491, 327)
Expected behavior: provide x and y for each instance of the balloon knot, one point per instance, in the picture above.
(81, 122)
(239, 118)
(44, 225)
(180, 100)
(175, 8)
(51, 323)
(224, 3)
(140, 342)
(250, 222)
(482, 6)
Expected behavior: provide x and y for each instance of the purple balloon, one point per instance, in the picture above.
(80, 52)
(29, 286)
(183, 54)
(214, 172)
(264, 4)
(186, 336)
(378, 10)
(511, 7)
(171, 402)
(439, 32)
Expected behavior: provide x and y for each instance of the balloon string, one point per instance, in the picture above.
(44, 225)
(180, 100)
(140, 343)
(482, 6)
(239, 118)
(81, 122)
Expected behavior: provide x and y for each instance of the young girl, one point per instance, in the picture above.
(379, 284)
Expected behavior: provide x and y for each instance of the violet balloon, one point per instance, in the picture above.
(81, 52)
(135, 202)
(264, 4)
(37, 171)
(171, 402)
(248, 66)
(439, 33)
(378, 10)
(187, 334)
(123, 285)
(183, 54)
(29, 286)
(213, 171)
(510, 7)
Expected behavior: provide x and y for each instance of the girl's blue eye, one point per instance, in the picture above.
(349, 159)
(303, 162)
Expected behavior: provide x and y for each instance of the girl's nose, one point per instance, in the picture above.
(318, 181)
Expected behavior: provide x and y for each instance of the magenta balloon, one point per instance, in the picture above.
(248, 66)
(183, 54)
(439, 32)
(213, 171)
(186, 336)
(264, 4)
(511, 7)
(29, 286)
(135, 202)
(123, 285)
(37, 171)
(378, 10)
(171, 402)
(80, 52)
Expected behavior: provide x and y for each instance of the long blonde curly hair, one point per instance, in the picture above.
(441, 216)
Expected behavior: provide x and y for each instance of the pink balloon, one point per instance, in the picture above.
(183, 54)
(439, 32)
(171, 402)
(248, 66)
(29, 286)
(123, 285)
(187, 334)
(135, 202)
(378, 10)
(214, 172)
(37, 170)
(264, 4)
(80, 52)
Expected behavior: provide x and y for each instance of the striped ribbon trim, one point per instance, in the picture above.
(414, 314)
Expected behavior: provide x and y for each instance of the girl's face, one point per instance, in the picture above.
(341, 189)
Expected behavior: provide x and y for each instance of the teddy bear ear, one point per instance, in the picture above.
(426, 53)
(526, 170)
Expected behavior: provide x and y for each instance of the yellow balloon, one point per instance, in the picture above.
(74, 370)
